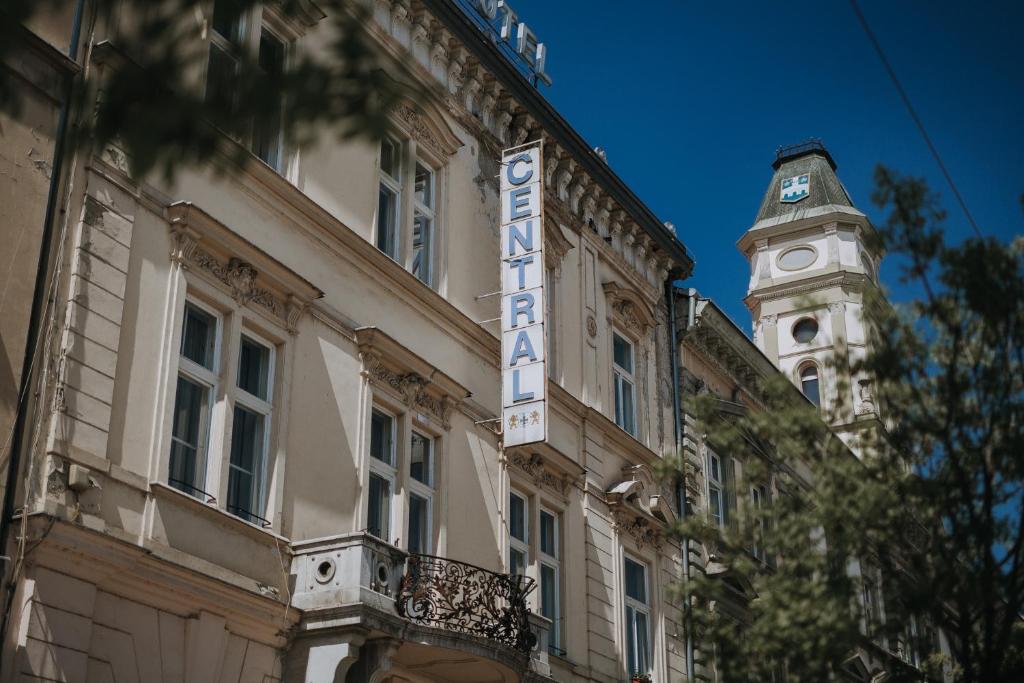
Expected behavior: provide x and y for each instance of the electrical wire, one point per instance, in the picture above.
(913, 114)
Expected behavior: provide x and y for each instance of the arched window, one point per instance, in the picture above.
(809, 383)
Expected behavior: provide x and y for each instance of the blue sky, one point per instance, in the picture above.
(691, 99)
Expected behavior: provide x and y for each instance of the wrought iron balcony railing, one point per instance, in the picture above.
(462, 597)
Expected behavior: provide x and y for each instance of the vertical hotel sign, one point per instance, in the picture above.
(523, 342)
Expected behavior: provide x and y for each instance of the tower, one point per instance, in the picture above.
(810, 266)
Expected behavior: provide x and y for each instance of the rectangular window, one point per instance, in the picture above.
(423, 224)
(624, 384)
(716, 489)
(518, 531)
(193, 400)
(226, 40)
(268, 138)
(759, 500)
(550, 576)
(249, 431)
(389, 194)
(383, 474)
(421, 493)
(638, 619)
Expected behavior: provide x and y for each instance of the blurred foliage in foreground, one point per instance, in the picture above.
(152, 101)
(929, 526)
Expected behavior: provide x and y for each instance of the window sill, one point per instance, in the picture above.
(216, 514)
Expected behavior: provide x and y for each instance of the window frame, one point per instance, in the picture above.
(553, 562)
(263, 407)
(426, 492)
(389, 472)
(717, 484)
(801, 368)
(620, 376)
(645, 608)
(430, 213)
(518, 545)
(395, 186)
(210, 380)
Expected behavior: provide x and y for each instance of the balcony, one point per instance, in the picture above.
(354, 589)
(464, 598)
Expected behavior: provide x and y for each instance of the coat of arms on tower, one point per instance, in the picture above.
(796, 188)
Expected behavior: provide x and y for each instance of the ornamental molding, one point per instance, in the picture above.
(537, 469)
(429, 130)
(629, 308)
(643, 532)
(843, 279)
(250, 276)
(641, 507)
(408, 378)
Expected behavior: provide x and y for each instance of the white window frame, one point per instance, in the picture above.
(430, 213)
(516, 544)
(386, 471)
(395, 186)
(817, 378)
(207, 378)
(253, 21)
(260, 406)
(554, 563)
(423, 491)
(621, 376)
(718, 485)
(638, 606)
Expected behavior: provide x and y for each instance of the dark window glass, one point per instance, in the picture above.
(419, 524)
(547, 534)
(198, 336)
(221, 87)
(517, 517)
(253, 368)
(635, 581)
(246, 462)
(387, 210)
(381, 434)
(805, 330)
(189, 405)
(809, 384)
(267, 133)
(378, 519)
(623, 352)
(420, 460)
(549, 600)
(389, 158)
(227, 19)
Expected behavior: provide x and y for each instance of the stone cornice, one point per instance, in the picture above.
(831, 278)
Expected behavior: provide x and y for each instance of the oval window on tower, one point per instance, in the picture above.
(805, 330)
(797, 258)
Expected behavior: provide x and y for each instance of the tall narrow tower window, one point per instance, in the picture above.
(809, 383)
(805, 330)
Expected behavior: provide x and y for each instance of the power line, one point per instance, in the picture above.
(913, 114)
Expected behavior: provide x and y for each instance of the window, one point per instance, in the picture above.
(407, 222)
(716, 489)
(638, 619)
(193, 400)
(805, 330)
(250, 430)
(809, 383)
(518, 535)
(238, 32)
(423, 223)
(421, 493)
(759, 501)
(382, 474)
(246, 406)
(389, 192)
(624, 385)
(550, 576)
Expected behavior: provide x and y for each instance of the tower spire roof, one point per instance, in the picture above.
(809, 174)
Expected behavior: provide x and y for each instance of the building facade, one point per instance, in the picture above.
(266, 443)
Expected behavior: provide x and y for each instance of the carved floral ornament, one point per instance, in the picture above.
(536, 468)
(235, 274)
(629, 308)
(411, 388)
(432, 132)
(639, 507)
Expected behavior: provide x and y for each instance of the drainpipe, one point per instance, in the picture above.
(670, 291)
(38, 307)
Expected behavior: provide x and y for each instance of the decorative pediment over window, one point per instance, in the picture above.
(629, 308)
(427, 127)
(639, 506)
(204, 245)
(398, 371)
(541, 469)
